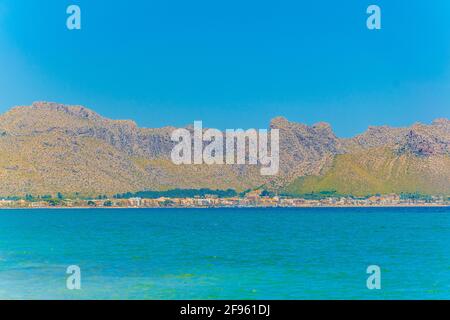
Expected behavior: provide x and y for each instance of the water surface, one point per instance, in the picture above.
(317, 253)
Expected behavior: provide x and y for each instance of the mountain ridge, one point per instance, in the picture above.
(50, 147)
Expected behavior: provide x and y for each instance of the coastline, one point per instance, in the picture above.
(235, 207)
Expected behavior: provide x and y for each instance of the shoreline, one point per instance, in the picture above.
(237, 207)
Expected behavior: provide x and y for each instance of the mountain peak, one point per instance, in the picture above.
(279, 122)
(441, 121)
(74, 110)
(322, 126)
(46, 104)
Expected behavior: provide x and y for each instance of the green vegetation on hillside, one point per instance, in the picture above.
(377, 171)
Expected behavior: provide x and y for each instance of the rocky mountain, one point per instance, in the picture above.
(386, 160)
(48, 148)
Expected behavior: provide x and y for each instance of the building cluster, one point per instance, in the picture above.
(253, 199)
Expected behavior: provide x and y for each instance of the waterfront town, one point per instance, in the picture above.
(252, 199)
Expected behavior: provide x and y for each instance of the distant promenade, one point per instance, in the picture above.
(250, 201)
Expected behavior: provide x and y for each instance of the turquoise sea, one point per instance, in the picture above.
(317, 253)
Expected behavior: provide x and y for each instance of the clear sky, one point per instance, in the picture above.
(231, 63)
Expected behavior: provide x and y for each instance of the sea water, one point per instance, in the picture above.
(239, 253)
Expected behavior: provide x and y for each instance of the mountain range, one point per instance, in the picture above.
(48, 148)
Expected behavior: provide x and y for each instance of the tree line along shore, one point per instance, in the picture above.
(203, 198)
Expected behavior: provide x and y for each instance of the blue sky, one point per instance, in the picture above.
(232, 63)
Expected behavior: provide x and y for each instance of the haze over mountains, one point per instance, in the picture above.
(48, 148)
